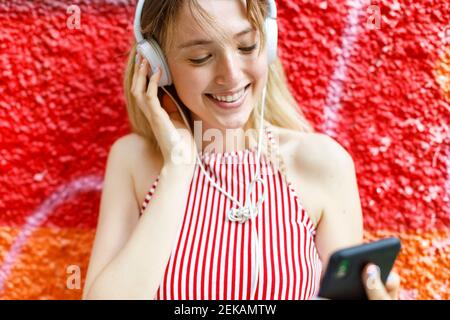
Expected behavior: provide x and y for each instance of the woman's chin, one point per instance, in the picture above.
(234, 121)
(230, 120)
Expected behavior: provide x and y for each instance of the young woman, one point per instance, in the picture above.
(254, 216)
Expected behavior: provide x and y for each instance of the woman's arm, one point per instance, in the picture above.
(341, 224)
(136, 256)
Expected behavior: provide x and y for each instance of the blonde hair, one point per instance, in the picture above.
(158, 20)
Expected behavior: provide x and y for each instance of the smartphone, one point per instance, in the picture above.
(342, 279)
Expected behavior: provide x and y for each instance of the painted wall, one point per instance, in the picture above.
(377, 81)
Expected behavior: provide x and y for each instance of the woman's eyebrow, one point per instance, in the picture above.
(199, 42)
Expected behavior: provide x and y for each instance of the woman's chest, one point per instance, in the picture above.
(217, 258)
(307, 190)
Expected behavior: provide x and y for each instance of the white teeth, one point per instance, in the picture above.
(232, 98)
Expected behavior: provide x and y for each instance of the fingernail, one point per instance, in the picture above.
(137, 59)
(390, 278)
(373, 271)
(142, 63)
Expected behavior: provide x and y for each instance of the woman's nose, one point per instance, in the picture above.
(229, 71)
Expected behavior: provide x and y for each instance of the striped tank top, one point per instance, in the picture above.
(212, 256)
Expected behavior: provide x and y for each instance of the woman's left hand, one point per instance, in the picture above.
(374, 286)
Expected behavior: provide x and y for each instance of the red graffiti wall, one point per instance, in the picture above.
(374, 75)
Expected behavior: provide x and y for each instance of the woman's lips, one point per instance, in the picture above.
(229, 105)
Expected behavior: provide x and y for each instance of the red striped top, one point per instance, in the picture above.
(212, 257)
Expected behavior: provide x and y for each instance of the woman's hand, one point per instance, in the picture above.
(174, 138)
(374, 286)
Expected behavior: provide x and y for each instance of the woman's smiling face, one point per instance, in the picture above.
(206, 71)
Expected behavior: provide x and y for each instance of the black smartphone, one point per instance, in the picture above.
(342, 279)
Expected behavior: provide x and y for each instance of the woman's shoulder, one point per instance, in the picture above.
(314, 162)
(138, 149)
(133, 147)
(312, 150)
(141, 159)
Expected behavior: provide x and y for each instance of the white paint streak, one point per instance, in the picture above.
(60, 196)
(339, 76)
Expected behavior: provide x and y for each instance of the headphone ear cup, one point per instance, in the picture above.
(271, 29)
(151, 51)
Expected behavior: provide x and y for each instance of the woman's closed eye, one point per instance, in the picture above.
(245, 50)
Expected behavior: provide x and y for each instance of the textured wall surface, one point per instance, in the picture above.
(374, 75)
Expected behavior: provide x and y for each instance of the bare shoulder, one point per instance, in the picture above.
(135, 150)
(131, 145)
(315, 165)
(313, 152)
(325, 174)
(142, 162)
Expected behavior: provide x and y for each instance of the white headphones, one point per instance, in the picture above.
(151, 51)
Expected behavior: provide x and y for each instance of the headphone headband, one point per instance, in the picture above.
(272, 14)
(137, 21)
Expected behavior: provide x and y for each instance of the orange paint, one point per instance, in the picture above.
(41, 269)
(423, 263)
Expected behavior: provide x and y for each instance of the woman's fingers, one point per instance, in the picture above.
(141, 78)
(152, 89)
(159, 116)
(146, 94)
(393, 285)
(137, 63)
(375, 289)
(169, 130)
(136, 66)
